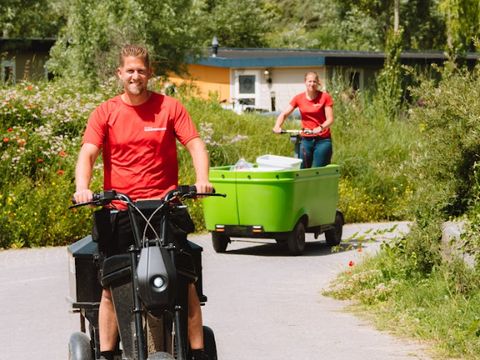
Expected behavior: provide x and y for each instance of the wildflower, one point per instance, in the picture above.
(21, 142)
(6, 139)
(62, 153)
(39, 160)
(29, 88)
(60, 172)
(10, 129)
(351, 263)
(360, 249)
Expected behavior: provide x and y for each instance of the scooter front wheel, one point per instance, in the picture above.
(79, 347)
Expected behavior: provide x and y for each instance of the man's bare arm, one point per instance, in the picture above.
(83, 172)
(198, 152)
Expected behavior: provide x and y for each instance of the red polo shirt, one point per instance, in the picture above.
(313, 111)
(139, 144)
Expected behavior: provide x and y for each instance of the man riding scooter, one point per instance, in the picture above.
(136, 133)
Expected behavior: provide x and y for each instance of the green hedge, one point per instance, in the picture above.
(41, 126)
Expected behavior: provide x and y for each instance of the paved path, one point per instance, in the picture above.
(263, 304)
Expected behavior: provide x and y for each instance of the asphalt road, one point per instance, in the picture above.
(262, 303)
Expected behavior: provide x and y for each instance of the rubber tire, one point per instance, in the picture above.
(160, 356)
(333, 236)
(79, 347)
(210, 345)
(296, 239)
(220, 242)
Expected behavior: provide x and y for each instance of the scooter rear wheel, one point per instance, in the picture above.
(160, 356)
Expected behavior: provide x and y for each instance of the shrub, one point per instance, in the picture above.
(41, 127)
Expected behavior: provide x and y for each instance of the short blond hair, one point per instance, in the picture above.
(135, 51)
(312, 73)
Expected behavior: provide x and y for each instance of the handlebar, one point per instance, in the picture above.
(297, 132)
(180, 193)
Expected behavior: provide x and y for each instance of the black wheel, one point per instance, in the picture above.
(296, 239)
(160, 356)
(210, 345)
(334, 235)
(79, 347)
(281, 239)
(220, 242)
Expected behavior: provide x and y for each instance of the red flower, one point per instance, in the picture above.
(60, 172)
(29, 88)
(10, 129)
(351, 263)
(39, 160)
(5, 139)
(62, 153)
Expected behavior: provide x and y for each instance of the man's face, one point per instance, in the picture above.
(134, 75)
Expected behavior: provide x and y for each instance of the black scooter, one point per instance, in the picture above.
(149, 285)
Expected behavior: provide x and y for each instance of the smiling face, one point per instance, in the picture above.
(134, 75)
(311, 82)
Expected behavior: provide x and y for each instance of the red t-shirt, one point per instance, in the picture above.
(313, 111)
(139, 144)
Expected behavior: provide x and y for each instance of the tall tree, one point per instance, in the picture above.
(87, 47)
(462, 18)
(235, 23)
(31, 18)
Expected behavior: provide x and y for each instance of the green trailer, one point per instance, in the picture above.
(278, 204)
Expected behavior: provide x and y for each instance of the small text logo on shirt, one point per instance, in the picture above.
(151, 128)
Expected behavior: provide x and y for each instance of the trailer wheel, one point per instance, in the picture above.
(79, 347)
(220, 242)
(334, 235)
(296, 239)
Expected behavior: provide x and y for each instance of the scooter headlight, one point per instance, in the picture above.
(159, 283)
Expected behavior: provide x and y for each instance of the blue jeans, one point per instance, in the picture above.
(315, 152)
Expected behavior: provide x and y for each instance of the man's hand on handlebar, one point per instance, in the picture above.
(277, 130)
(83, 196)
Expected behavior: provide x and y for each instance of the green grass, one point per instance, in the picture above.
(441, 310)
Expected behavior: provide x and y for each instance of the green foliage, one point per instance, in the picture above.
(41, 126)
(335, 24)
(413, 283)
(239, 23)
(88, 46)
(441, 308)
(32, 18)
(448, 150)
(375, 155)
(462, 19)
(389, 81)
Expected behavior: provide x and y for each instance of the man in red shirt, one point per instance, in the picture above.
(136, 133)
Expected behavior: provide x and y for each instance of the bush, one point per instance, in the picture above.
(41, 127)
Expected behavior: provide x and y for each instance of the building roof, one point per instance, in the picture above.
(264, 57)
(31, 44)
